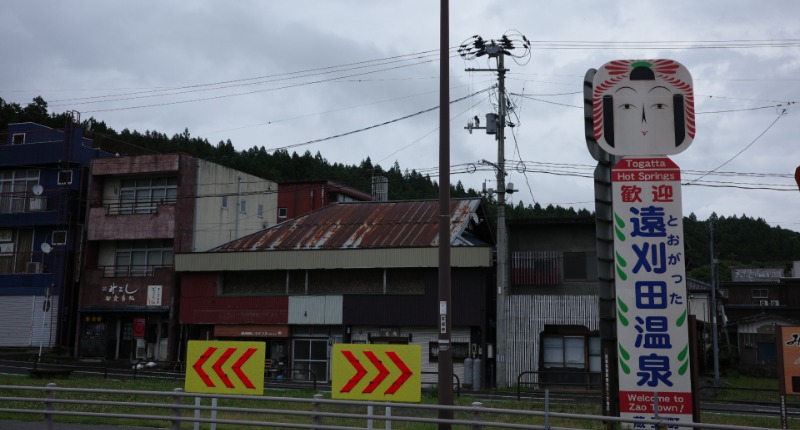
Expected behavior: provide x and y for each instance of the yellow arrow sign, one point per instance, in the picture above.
(376, 372)
(225, 367)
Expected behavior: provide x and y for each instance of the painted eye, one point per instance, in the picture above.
(660, 106)
(626, 106)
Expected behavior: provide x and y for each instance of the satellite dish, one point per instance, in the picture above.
(37, 190)
(46, 248)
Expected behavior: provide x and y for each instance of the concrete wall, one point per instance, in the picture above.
(215, 224)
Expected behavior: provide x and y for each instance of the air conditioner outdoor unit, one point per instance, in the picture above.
(763, 302)
(774, 303)
(33, 267)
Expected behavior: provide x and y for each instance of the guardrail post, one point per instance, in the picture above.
(177, 402)
(316, 420)
(49, 406)
(547, 408)
(476, 416)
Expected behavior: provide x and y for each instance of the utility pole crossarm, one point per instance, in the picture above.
(496, 125)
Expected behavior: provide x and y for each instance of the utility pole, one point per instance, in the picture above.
(714, 336)
(495, 124)
(445, 377)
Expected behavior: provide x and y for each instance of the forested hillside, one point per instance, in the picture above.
(739, 241)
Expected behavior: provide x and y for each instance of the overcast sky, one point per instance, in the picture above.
(282, 74)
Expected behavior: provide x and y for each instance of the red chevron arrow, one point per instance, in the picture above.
(237, 367)
(406, 372)
(360, 371)
(382, 372)
(218, 367)
(198, 366)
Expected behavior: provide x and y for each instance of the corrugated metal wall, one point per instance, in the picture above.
(22, 320)
(325, 310)
(530, 313)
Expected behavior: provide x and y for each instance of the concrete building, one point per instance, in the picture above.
(43, 175)
(143, 210)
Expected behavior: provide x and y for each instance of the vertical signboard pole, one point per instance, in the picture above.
(641, 112)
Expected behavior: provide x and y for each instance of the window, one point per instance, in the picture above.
(59, 237)
(141, 195)
(140, 257)
(18, 139)
(580, 266)
(224, 202)
(564, 351)
(16, 187)
(65, 177)
(760, 293)
(310, 355)
(282, 212)
(243, 206)
(17, 252)
(261, 211)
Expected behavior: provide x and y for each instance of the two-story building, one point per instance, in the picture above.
(43, 175)
(552, 316)
(755, 302)
(143, 210)
(358, 272)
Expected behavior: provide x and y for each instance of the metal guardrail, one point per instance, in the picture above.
(178, 407)
(456, 381)
(558, 378)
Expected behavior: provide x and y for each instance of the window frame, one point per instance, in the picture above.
(134, 258)
(143, 195)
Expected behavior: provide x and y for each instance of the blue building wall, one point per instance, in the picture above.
(41, 223)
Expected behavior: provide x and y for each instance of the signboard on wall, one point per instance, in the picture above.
(789, 356)
(653, 339)
(154, 294)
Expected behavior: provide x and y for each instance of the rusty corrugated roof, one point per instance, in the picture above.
(398, 224)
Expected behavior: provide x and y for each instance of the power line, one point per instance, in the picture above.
(780, 115)
(375, 125)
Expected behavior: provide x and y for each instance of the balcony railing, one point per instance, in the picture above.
(22, 202)
(140, 271)
(136, 208)
(536, 268)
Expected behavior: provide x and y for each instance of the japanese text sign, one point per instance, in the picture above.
(652, 333)
(789, 358)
